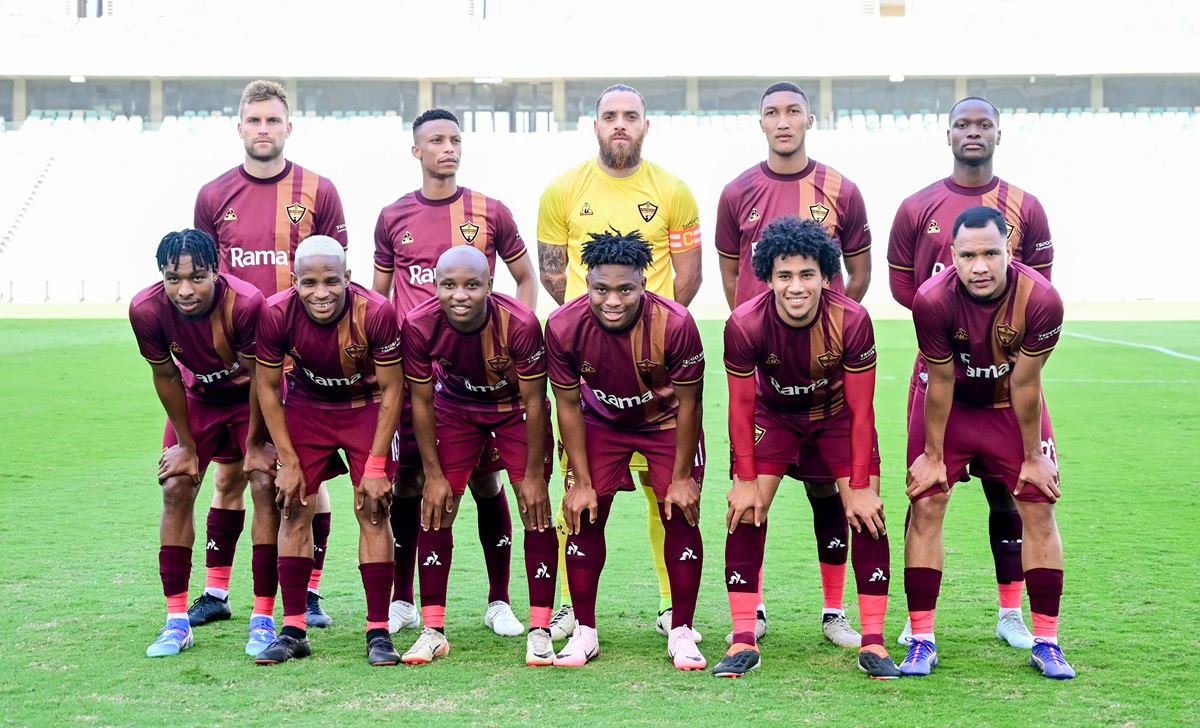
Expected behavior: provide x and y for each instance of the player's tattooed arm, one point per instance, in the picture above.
(552, 262)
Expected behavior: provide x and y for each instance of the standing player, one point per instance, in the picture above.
(801, 365)
(258, 212)
(197, 329)
(627, 369)
(791, 183)
(410, 235)
(985, 328)
(622, 191)
(476, 367)
(343, 393)
(919, 248)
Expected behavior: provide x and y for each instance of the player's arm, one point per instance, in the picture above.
(727, 237)
(260, 454)
(855, 241)
(385, 259)
(552, 266)
(929, 469)
(527, 284)
(744, 497)
(687, 273)
(864, 508)
(572, 430)
(289, 480)
(533, 495)
(684, 492)
(202, 216)
(438, 498)
(858, 274)
(1025, 393)
(382, 282)
(729, 276)
(180, 459)
(376, 487)
(902, 279)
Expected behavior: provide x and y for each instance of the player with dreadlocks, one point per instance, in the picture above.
(196, 328)
(627, 368)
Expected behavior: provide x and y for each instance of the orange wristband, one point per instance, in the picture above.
(375, 467)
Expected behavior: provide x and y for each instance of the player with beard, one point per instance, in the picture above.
(986, 327)
(620, 190)
(343, 394)
(919, 248)
(627, 368)
(410, 235)
(789, 182)
(196, 328)
(258, 212)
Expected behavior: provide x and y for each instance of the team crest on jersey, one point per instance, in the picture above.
(499, 363)
(176, 348)
(295, 212)
(586, 368)
(469, 230)
(772, 361)
(1010, 229)
(408, 238)
(818, 211)
(960, 335)
(828, 359)
(355, 351)
(753, 215)
(648, 210)
(230, 215)
(585, 210)
(1006, 334)
(758, 434)
(645, 366)
(933, 228)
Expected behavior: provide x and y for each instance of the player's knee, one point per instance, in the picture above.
(1037, 519)
(230, 480)
(931, 510)
(485, 485)
(407, 485)
(820, 490)
(179, 494)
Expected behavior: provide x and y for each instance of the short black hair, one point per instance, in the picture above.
(979, 217)
(432, 115)
(788, 235)
(620, 87)
(784, 86)
(617, 248)
(962, 101)
(188, 241)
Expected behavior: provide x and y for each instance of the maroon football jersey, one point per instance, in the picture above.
(919, 244)
(413, 232)
(258, 223)
(205, 349)
(480, 370)
(983, 338)
(335, 362)
(628, 378)
(759, 195)
(799, 371)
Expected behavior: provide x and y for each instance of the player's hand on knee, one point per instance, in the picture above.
(179, 460)
(1040, 472)
(533, 498)
(864, 508)
(745, 500)
(261, 459)
(376, 494)
(438, 498)
(290, 487)
(581, 497)
(683, 494)
(926, 472)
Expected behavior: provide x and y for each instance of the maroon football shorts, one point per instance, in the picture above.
(609, 452)
(988, 441)
(816, 451)
(408, 454)
(219, 430)
(464, 437)
(317, 435)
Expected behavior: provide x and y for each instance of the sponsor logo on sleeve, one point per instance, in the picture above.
(391, 346)
(693, 360)
(867, 354)
(1050, 334)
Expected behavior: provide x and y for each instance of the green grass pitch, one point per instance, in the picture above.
(80, 597)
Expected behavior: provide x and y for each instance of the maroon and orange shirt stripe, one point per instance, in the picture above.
(206, 349)
(983, 338)
(258, 223)
(627, 378)
(481, 370)
(799, 371)
(758, 196)
(335, 363)
(413, 232)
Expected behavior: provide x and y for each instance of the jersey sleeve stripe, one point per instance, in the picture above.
(391, 363)
(856, 370)
(687, 381)
(515, 257)
(272, 364)
(931, 360)
(1041, 265)
(743, 375)
(159, 361)
(531, 377)
(733, 256)
(899, 267)
(384, 269)
(419, 380)
(560, 385)
(853, 253)
(1043, 352)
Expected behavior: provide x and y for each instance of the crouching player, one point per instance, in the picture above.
(343, 393)
(801, 368)
(985, 328)
(197, 328)
(476, 368)
(627, 369)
